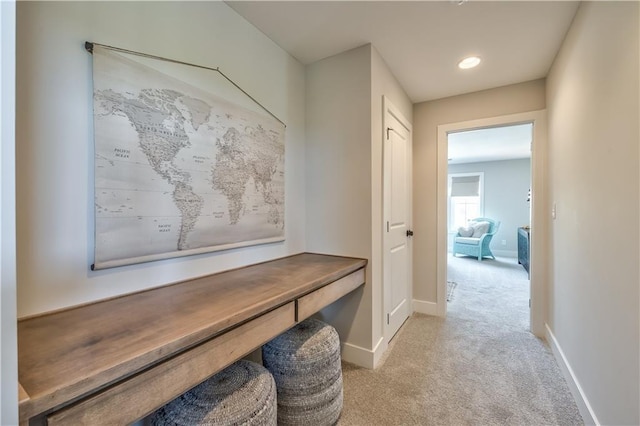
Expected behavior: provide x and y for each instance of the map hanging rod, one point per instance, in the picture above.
(89, 46)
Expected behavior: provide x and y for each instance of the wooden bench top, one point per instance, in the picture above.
(64, 355)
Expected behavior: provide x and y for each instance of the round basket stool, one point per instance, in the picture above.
(305, 363)
(242, 394)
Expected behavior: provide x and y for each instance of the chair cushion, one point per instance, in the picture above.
(480, 228)
(465, 231)
(470, 240)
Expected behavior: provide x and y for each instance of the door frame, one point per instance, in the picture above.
(389, 109)
(539, 209)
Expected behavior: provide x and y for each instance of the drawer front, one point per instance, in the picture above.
(143, 393)
(316, 300)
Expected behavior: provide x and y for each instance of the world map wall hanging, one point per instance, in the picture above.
(180, 169)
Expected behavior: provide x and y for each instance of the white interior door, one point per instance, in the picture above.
(397, 215)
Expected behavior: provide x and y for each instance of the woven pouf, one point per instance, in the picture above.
(242, 394)
(305, 363)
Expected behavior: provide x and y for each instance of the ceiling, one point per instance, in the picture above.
(422, 41)
(490, 144)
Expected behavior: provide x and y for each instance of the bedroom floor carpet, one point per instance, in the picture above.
(479, 366)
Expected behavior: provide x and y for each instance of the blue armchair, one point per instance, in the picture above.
(476, 245)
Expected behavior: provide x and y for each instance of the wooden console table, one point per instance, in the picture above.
(116, 361)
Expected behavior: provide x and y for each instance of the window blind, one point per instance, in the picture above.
(465, 186)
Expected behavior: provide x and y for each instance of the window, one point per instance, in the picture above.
(465, 198)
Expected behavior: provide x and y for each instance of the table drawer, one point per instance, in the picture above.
(318, 299)
(141, 394)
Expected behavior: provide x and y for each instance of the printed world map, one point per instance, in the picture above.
(178, 170)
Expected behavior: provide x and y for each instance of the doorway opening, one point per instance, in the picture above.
(504, 243)
(489, 180)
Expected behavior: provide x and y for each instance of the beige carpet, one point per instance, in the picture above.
(480, 366)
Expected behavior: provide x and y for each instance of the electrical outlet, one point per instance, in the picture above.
(504, 242)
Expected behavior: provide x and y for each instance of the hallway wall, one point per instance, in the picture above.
(8, 337)
(427, 116)
(344, 136)
(594, 132)
(54, 137)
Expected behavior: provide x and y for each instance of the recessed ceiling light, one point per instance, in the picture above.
(470, 62)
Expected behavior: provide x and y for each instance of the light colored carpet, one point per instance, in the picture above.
(479, 366)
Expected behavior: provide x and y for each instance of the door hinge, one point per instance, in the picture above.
(529, 303)
(409, 233)
(388, 319)
(387, 226)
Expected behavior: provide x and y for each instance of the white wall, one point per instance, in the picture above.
(344, 182)
(8, 342)
(338, 168)
(55, 137)
(506, 184)
(427, 116)
(593, 110)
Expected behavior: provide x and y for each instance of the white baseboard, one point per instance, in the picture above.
(424, 307)
(364, 357)
(379, 350)
(505, 253)
(584, 407)
(501, 253)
